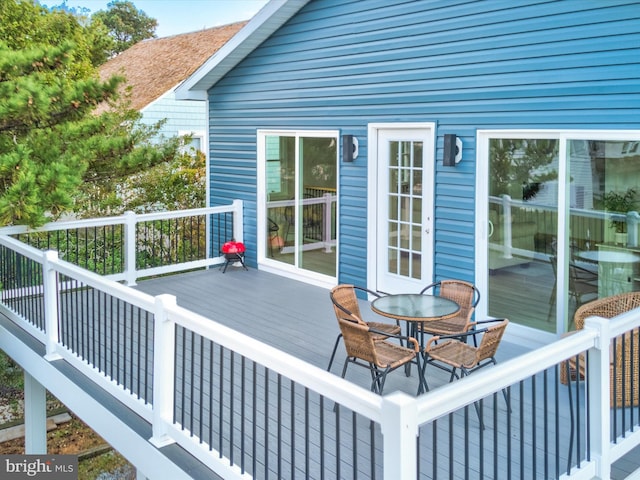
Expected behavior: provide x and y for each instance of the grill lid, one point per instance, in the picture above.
(233, 247)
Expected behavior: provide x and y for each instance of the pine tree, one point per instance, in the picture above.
(56, 153)
(41, 106)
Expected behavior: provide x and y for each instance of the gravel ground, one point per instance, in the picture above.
(12, 404)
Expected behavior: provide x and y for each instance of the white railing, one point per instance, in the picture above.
(130, 221)
(507, 205)
(399, 415)
(327, 203)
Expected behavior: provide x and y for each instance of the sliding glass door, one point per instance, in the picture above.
(299, 194)
(561, 223)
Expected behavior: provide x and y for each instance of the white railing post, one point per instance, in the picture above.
(130, 248)
(163, 370)
(238, 221)
(399, 427)
(50, 298)
(633, 218)
(506, 226)
(598, 384)
(326, 218)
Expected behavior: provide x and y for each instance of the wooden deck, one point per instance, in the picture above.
(292, 316)
(296, 318)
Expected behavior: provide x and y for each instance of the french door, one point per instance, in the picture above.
(402, 207)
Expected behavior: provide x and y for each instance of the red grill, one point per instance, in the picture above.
(233, 252)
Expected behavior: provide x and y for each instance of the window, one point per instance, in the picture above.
(196, 142)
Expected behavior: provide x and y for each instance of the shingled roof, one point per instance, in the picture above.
(153, 67)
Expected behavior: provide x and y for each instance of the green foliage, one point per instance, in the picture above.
(620, 202)
(55, 151)
(11, 374)
(173, 185)
(126, 24)
(26, 24)
(519, 166)
(94, 467)
(41, 102)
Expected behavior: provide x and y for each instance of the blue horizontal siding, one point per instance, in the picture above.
(465, 65)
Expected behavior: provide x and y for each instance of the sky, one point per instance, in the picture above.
(182, 16)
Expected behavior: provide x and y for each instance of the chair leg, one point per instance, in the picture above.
(286, 232)
(375, 377)
(506, 399)
(333, 354)
(377, 385)
(423, 386)
(480, 419)
(552, 301)
(344, 368)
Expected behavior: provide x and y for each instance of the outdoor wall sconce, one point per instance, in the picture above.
(349, 148)
(452, 150)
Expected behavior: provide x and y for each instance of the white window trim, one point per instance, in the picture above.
(201, 134)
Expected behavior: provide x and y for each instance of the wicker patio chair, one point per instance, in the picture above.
(381, 357)
(275, 240)
(583, 284)
(624, 351)
(453, 354)
(345, 305)
(464, 294)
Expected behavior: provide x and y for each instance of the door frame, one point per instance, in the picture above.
(428, 201)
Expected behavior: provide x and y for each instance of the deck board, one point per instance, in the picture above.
(291, 316)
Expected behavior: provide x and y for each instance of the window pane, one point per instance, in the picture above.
(301, 187)
(315, 244)
(523, 216)
(605, 257)
(280, 180)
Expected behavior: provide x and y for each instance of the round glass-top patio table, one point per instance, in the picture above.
(415, 307)
(608, 256)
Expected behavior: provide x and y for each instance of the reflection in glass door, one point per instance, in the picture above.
(301, 194)
(523, 224)
(604, 254)
(563, 225)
